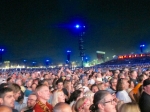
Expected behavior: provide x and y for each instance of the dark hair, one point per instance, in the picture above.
(8, 79)
(75, 95)
(42, 81)
(21, 97)
(132, 71)
(94, 86)
(141, 77)
(90, 76)
(59, 81)
(99, 96)
(45, 75)
(3, 91)
(3, 85)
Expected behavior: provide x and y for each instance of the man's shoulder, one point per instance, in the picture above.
(145, 96)
(49, 106)
(14, 110)
(30, 110)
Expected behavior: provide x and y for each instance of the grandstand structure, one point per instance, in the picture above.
(129, 59)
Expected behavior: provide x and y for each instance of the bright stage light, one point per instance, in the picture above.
(77, 26)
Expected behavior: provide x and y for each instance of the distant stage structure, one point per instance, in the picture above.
(100, 56)
(129, 60)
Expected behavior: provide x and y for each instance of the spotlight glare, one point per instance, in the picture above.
(68, 51)
(77, 26)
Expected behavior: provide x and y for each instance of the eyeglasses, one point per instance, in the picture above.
(111, 101)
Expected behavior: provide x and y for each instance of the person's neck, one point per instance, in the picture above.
(113, 87)
(42, 101)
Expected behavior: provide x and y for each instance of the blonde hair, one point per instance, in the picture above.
(55, 97)
(100, 86)
(89, 95)
(129, 107)
(80, 103)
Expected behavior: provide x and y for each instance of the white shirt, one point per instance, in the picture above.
(123, 95)
(91, 81)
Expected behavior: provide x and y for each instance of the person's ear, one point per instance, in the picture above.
(39, 93)
(101, 106)
(1, 101)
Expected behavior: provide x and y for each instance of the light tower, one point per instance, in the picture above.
(1, 54)
(81, 29)
(25, 61)
(68, 57)
(47, 63)
(141, 48)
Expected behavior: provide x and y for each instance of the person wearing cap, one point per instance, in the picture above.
(145, 97)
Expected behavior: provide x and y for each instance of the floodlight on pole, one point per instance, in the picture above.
(1, 53)
(33, 63)
(24, 61)
(68, 51)
(81, 32)
(86, 59)
(141, 47)
(47, 60)
(47, 63)
(68, 57)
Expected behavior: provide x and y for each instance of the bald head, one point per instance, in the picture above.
(5, 109)
(62, 107)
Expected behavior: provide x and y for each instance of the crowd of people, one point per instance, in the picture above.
(79, 90)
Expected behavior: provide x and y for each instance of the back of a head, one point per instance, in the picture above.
(75, 95)
(120, 84)
(3, 85)
(62, 107)
(79, 103)
(39, 87)
(129, 107)
(99, 96)
(15, 87)
(141, 78)
(5, 109)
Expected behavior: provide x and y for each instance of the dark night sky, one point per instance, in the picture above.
(38, 29)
